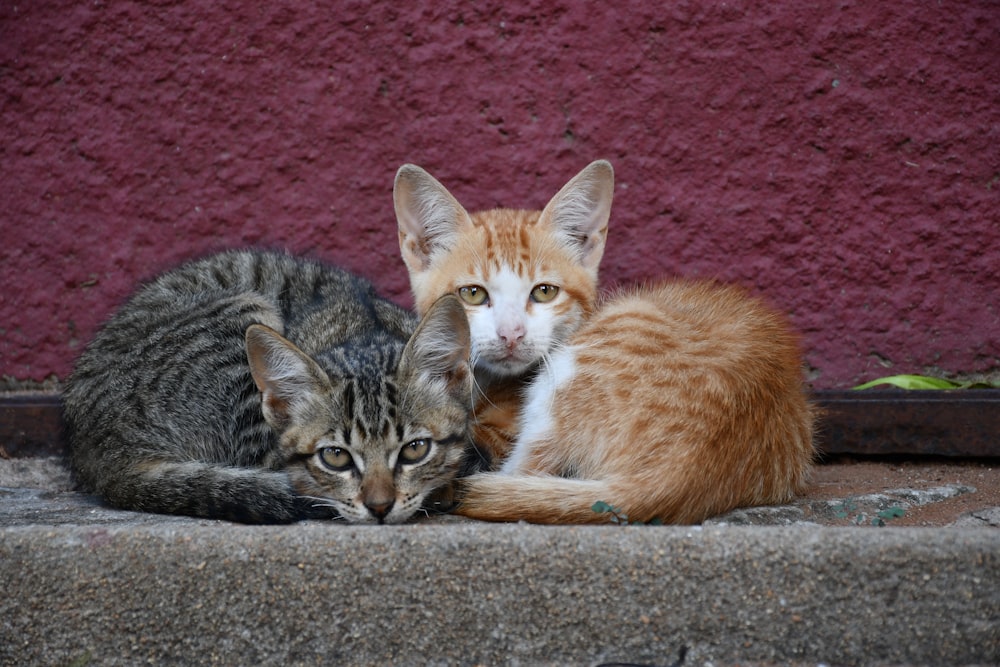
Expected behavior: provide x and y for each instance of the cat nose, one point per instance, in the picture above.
(512, 336)
(380, 508)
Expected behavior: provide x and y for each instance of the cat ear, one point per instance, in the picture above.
(440, 348)
(579, 212)
(283, 373)
(428, 216)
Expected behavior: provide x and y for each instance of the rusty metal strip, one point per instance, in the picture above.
(31, 425)
(963, 423)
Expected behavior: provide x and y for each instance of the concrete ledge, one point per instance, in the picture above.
(86, 585)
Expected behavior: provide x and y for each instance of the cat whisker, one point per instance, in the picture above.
(476, 449)
(320, 502)
(478, 390)
(327, 504)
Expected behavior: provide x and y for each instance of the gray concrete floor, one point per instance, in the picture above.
(88, 585)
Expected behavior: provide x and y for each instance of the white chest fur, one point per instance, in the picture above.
(536, 418)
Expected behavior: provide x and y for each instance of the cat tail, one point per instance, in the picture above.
(212, 491)
(539, 499)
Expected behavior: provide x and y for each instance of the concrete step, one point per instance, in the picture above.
(87, 585)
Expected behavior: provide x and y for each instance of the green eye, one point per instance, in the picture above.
(415, 451)
(474, 295)
(544, 293)
(336, 458)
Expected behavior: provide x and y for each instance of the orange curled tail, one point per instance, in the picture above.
(534, 498)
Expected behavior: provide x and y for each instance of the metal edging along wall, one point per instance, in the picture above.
(959, 423)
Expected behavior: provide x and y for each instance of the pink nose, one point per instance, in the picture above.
(512, 336)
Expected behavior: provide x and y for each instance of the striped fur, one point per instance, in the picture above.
(222, 388)
(675, 402)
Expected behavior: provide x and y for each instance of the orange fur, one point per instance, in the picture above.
(677, 402)
(686, 402)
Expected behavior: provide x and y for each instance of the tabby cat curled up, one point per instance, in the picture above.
(261, 388)
(677, 401)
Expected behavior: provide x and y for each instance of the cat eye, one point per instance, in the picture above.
(413, 452)
(474, 295)
(336, 458)
(544, 293)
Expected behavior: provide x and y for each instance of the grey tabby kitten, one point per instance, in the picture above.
(261, 388)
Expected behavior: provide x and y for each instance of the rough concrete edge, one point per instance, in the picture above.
(659, 587)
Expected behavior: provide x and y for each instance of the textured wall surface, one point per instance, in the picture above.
(842, 159)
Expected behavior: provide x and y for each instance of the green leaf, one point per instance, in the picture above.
(892, 513)
(911, 382)
(601, 507)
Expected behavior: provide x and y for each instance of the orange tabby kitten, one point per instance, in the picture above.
(675, 402)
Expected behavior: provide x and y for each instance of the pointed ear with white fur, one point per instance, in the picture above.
(283, 373)
(439, 350)
(429, 217)
(579, 212)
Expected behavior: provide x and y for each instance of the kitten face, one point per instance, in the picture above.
(370, 447)
(522, 296)
(511, 319)
(525, 278)
(342, 461)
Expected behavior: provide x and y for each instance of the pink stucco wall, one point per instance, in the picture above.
(842, 158)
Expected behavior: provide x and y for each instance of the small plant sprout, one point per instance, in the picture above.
(619, 517)
(925, 382)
